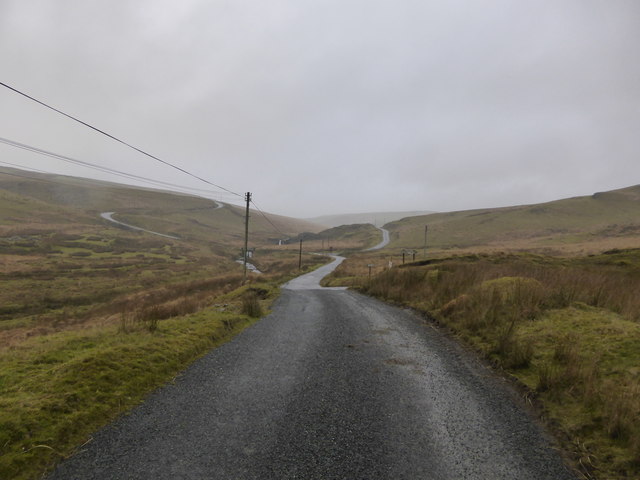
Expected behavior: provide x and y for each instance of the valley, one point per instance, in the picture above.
(89, 305)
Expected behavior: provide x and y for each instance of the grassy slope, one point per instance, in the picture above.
(15, 208)
(376, 218)
(343, 238)
(185, 215)
(604, 220)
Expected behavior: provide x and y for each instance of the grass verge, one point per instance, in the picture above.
(59, 388)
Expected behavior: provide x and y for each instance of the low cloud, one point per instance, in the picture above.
(329, 107)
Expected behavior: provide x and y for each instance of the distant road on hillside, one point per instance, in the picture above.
(331, 385)
(385, 240)
(109, 216)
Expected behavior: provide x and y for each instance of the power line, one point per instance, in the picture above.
(35, 170)
(101, 168)
(117, 139)
(62, 157)
(22, 167)
(36, 179)
(284, 235)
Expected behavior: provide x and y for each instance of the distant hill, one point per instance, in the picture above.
(37, 201)
(343, 238)
(587, 224)
(375, 218)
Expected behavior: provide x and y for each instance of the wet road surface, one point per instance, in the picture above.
(331, 385)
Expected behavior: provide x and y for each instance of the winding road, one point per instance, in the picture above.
(385, 240)
(109, 216)
(330, 385)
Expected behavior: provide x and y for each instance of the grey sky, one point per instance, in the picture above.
(335, 106)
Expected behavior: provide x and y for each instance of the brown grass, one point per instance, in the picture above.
(251, 304)
(567, 328)
(538, 283)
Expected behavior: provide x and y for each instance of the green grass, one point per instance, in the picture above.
(57, 389)
(568, 329)
(591, 359)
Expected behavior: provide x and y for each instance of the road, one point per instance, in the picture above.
(385, 240)
(109, 216)
(330, 385)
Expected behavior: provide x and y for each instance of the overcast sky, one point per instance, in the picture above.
(334, 106)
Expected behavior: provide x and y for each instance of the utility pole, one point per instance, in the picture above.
(247, 197)
(300, 257)
(424, 253)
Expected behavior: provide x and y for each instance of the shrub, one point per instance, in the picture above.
(251, 305)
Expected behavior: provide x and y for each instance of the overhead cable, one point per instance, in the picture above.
(117, 139)
(101, 168)
(27, 176)
(22, 167)
(268, 220)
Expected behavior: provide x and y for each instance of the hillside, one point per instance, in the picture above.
(593, 223)
(40, 201)
(345, 238)
(375, 218)
(51, 228)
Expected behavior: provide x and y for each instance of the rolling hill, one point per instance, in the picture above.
(586, 224)
(40, 201)
(345, 238)
(375, 218)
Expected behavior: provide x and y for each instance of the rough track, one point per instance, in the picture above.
(331, 385)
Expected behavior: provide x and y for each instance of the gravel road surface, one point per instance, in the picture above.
(331, 385)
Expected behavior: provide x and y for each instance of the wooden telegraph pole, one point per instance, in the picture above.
(247, 197)
(300, 257)
(424, 252)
